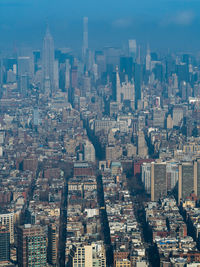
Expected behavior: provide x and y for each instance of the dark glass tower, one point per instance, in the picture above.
(4, 244)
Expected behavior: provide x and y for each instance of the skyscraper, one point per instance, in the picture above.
(1, 71)
(4, 244)
(132, 45)
(52, 249)
(197, 177)
(138, 81)
(89, 152)
(158, 180)
(24, 74)
(48, 63)
(189, 179)
(67, 74)
(118, 86)
(7, 219)
(85, 36)
(186, 180)
(31, 246)
(148, 59)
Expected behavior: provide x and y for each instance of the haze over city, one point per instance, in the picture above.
(165, 24)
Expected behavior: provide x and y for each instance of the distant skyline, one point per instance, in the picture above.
(173, 24)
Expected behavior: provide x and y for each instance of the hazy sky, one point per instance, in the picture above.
(162, 23)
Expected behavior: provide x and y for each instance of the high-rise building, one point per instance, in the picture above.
(1, 71)
(4, 244)
(132, 45)
(36, 117)
(124, 91)
(158, 181)
(24, 74)
(24, 66)
(146, 176)
(88, 255)
(177, 115)
(186, 180)
(197, 177)
(189, 179)
(52, 250)
(86, 84)
(23, 82)
(138, 81)
(67, 74)
(126, 66)
(56, 74)
(89, 152)
(74, 77)
(158, 118)
(148, 59)
(31, 246)
(7, 219)
(48, 63)
(172, 175)
(85, 36)
(118, 86)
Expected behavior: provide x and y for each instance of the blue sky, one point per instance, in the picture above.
(162, 23)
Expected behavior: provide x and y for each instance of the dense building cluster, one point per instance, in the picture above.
(99, 157)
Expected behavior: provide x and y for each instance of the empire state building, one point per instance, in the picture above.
(48, 63)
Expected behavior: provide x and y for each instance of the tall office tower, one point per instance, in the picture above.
(52, 249)
(36, 117)
(31, 246)
(48, 63)
(36, 59)
(128, 91)
(56, 75)
(169, 122)
(24, 66)
(88, 255)
(67, 74)
(118, 86)
(189, 179)
(148, 59)
(177, 115)
(89, 152)
(172, 175)
(158, 181)
(7, 219)
(23, 82)
(197, 177)
(138, 81)
(132, 45)
(85, 37)
(182, 72)
(24, 74)
(146, 176)
(126, 66)
(186, 180)
(74, 77)
(4, 244)
(86, 84)
(183, 90)
(11, 76)
(158, 118)
(1, 71)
